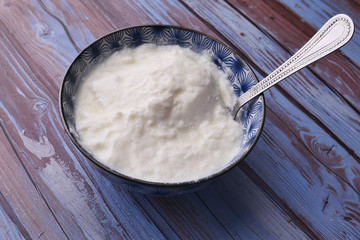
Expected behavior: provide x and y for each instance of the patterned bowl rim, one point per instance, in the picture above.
(146, 182)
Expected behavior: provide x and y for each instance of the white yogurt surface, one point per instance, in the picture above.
(155, 113)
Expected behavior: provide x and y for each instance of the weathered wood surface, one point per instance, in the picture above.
(301, 181)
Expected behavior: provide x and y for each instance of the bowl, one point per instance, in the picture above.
(240, 76)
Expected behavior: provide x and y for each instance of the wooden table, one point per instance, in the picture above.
(301, 181)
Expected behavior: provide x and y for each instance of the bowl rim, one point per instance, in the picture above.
(147, 182)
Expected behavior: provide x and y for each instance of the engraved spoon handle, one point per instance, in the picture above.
(335, 33)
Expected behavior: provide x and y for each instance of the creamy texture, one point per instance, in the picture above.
(156, 113)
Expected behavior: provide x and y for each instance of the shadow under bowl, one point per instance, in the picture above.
(240, 75)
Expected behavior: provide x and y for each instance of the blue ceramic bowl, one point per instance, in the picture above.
(241, 78)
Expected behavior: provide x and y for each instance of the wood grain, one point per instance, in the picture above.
(22, 201)
(353, 177)
(149, 6)
(179, 6)
(304, 87)
(315, 13)
(301, 181)
(9, 230)
(229, 199)
(336, 71)
(79, 203)
(305, 191)
(72, 177)
(321, 200)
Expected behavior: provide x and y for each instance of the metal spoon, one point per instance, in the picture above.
(335, 33)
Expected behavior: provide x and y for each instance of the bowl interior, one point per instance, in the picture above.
(240, 76)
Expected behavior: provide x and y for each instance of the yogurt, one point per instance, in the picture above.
(157, 113)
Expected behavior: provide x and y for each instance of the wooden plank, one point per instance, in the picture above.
(211, 226)
(329, 168)
(8, 230)
(69, 193)
(315, 13)
(214, 229)
(291, 197)
(320, 200)
(189, 217)
(309, 133)
(277, 21)
(323, 201)
(59, 173)
(247, 212)
(155, 217)
(81, 23)
(134, 207)
(320, 102)
(154, 12)
(21, 200)
(146, 8)
(112, 205)
(271, 17)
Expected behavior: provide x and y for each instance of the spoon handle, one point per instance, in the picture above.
(335, 33)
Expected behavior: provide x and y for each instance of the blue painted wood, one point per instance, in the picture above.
(66, 188)
(323, 147)
(335, 70)
(316, 13)
(304, 87)
(246, 211)
(217, 16)
(8, 229)
(189, 217)
(328, 206)
(110, 212)
(146, 8)
(21, 203)
(300, 182)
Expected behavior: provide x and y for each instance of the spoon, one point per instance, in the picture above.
(335, 33)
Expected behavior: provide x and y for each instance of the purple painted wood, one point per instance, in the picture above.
(300, 182)
(336, 70)
(304, 87)
(315, 12)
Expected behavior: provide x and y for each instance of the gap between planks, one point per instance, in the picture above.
(32, 182)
